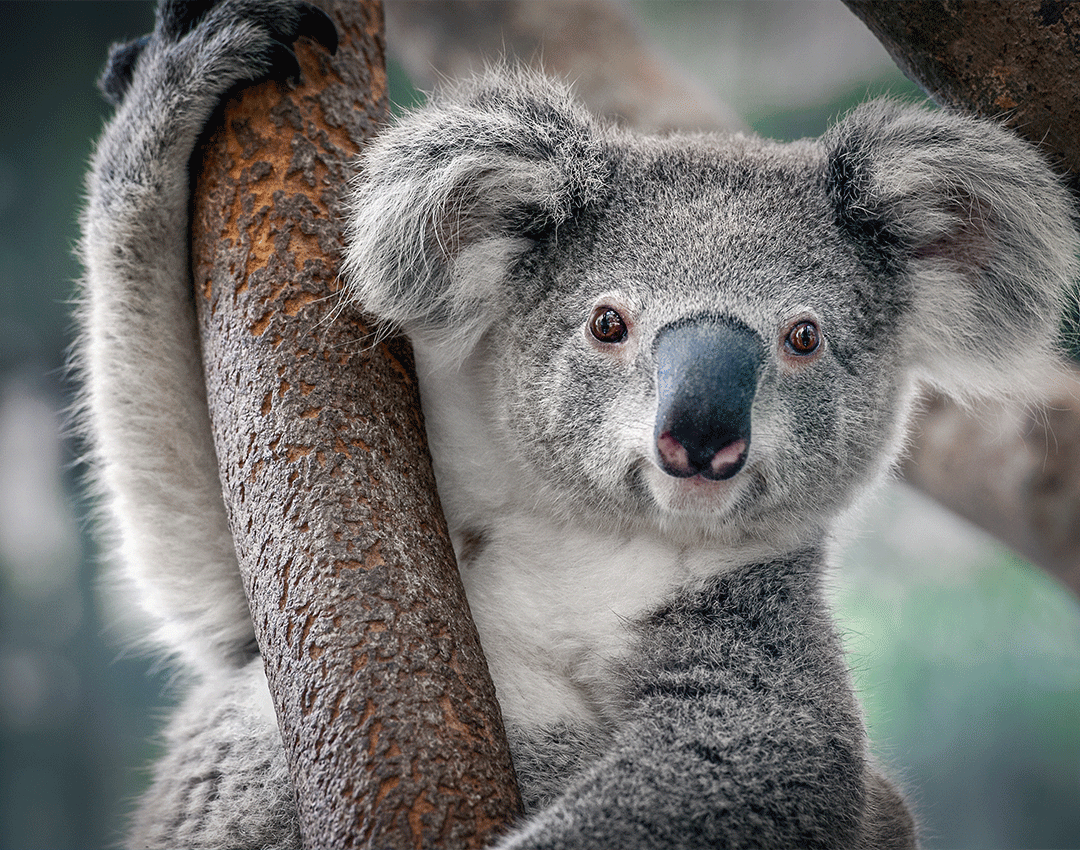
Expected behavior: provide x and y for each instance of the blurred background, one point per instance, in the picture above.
(967, 658)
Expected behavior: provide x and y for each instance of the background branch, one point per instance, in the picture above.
(1014, 472)
(596, 43)
(387, 712)
(1017, 61)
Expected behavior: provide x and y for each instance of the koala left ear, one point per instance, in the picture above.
(976, 229)
(453, 193)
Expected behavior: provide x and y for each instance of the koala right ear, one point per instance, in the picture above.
(454, 192)
(977, 230)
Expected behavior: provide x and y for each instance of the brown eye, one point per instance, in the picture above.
(804, 338)
(607, 325)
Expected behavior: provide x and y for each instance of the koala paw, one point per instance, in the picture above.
(215, 46)
(283, 21)
(119, 67)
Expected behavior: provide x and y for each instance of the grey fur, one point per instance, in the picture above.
(665, 662)
(742, 729)
(223, 781)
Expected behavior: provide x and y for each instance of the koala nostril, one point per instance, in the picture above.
(676, 460)
(728, 460)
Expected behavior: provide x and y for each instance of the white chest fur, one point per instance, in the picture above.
(553, 603)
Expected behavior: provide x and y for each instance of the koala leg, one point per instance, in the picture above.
(223, 780)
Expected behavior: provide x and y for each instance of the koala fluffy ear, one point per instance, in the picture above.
(975, 228)
(454, 192)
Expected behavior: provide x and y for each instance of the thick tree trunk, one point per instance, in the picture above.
(1019, 60)
(387, 712)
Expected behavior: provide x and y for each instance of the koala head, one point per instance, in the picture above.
(718, 334)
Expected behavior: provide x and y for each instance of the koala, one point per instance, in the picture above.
(656, 371)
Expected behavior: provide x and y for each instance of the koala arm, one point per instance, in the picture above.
(144, 400)
(743, 732)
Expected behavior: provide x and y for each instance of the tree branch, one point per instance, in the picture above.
(1015, 473)
(387, 712)
(1010, 470)
(1017, 61)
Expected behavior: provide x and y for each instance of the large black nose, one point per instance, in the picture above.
(706, 377)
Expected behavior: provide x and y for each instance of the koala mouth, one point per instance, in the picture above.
(695, 495)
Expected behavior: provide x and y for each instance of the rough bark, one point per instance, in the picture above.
(387, 712)
(1014, 473)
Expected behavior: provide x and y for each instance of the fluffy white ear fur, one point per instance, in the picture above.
(979, 227)
(445, 204)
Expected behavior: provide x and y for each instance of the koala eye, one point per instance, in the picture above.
(804, 338)
(607, 325)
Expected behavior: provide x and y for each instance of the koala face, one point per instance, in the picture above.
(719, 357)
(715, 336)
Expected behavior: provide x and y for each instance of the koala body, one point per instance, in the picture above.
(549, 442)
(655, 373)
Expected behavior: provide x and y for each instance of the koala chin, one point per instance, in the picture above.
(655, 370)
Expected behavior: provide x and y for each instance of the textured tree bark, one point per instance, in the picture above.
(1014, 473)
(387, 712)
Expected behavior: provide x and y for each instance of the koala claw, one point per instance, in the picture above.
(116, 78)
(284, 63)
(318, 25)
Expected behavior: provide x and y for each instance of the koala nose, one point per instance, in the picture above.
(706, 378)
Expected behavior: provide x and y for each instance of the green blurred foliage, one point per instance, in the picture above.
(51, 55)
(967, 660)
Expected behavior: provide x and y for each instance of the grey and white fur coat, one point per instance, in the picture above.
(655, 372)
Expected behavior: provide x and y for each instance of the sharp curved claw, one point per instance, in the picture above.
(284, 63)
(316, 24)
